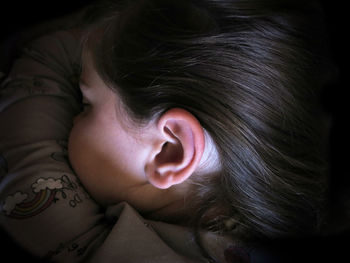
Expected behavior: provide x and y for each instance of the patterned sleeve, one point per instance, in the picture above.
(43, 206)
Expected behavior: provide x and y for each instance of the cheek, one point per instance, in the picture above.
(84, 159)
(100, 156)
(84, 143)
(107, 160)
(77, 141)
(76, 148)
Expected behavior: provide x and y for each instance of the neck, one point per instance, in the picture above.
(174, 212)
(160, 204)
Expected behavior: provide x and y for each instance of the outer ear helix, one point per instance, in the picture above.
(182, 150)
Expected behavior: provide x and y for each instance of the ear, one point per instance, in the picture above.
(179, 149)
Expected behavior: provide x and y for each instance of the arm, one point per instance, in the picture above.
(43, 205)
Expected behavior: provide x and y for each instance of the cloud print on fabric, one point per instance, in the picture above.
(12, 200)
(50, 183)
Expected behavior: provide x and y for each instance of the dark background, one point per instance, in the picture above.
(16, 15)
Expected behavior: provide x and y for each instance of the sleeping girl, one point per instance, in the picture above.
(205, 114)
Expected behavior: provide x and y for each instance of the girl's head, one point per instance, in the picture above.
(207, 105)
(118, 160)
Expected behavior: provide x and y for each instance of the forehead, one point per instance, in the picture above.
(89, 75)
(101, 96)
(93, 39)
(90, 67)
(86, 59)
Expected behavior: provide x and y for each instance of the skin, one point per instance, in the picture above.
(147, 168)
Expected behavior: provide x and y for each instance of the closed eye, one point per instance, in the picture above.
(85, 104)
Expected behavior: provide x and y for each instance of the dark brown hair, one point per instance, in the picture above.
(251, 72)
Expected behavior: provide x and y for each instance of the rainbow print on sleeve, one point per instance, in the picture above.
(18, 206)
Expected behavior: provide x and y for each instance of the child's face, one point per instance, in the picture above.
(103, 154)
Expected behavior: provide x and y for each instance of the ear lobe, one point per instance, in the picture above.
(181, 150)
